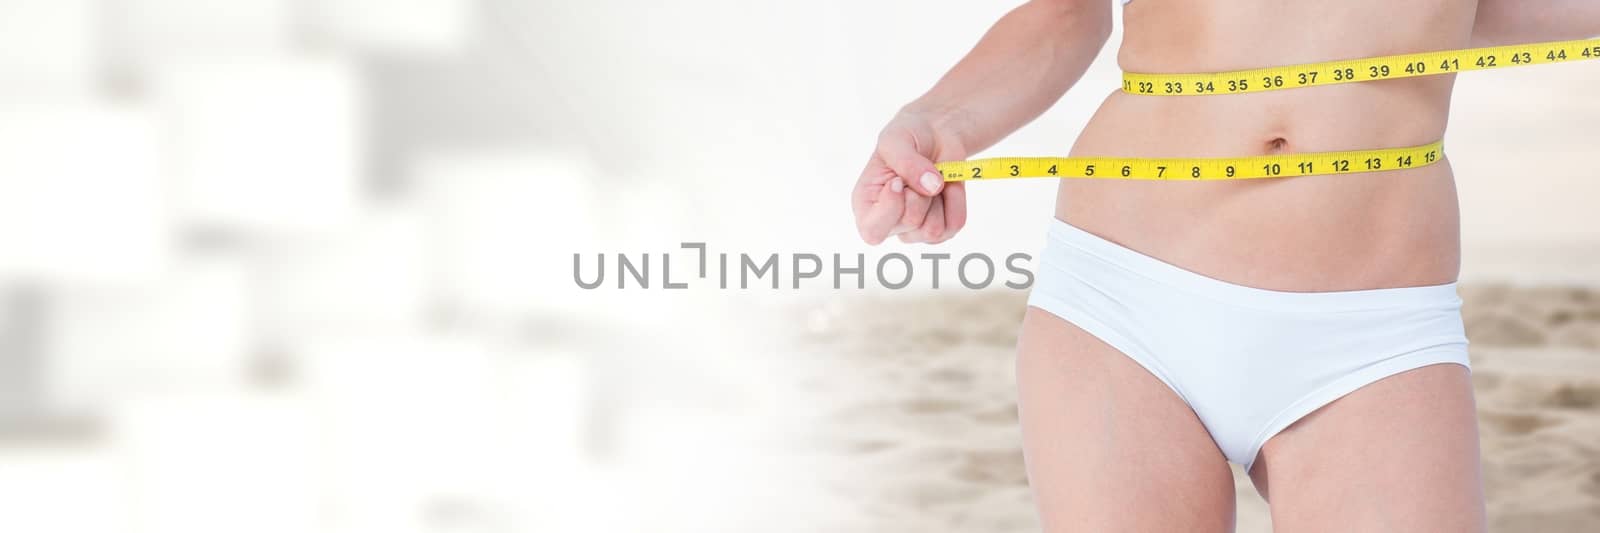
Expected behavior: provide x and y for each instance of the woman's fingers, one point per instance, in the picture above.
(876, 220)
(955, 209)
(933, 228)
(874, 177)
(916, 211)
(902, 193)
(904, 153)
(898, 211)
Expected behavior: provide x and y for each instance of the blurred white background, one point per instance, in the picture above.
(305, 265)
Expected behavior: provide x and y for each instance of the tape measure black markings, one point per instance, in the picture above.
(1274, 79)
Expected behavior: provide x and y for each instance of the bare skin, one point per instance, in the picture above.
(1108, 446)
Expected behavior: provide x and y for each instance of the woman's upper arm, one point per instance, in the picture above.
(1097, 12)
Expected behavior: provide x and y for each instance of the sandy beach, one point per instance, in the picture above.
(921, 433)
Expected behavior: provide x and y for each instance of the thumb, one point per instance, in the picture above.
(900, 153)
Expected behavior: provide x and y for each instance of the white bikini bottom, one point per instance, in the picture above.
(1248, 361)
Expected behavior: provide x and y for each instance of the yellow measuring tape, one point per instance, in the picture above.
(1358, 70)
(1179, 169)
(1272, 79)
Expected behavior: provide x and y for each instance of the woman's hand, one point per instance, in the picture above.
(901, 192)
(1020, 68)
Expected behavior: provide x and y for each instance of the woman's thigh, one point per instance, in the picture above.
(1400, 454)
(1109, 447)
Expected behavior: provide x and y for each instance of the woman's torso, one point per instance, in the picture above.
(1315, 233)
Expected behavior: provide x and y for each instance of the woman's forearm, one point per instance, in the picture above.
(1502, 22)
(1019, 69)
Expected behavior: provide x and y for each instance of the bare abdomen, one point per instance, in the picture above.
(1316, 233)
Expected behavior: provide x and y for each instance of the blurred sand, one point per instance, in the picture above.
(920, 429)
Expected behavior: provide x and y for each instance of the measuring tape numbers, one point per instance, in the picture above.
(1191, 169)
(1273, 79)
(1359, 70)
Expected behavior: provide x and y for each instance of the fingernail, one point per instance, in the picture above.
(896, 185)
(931, 182)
